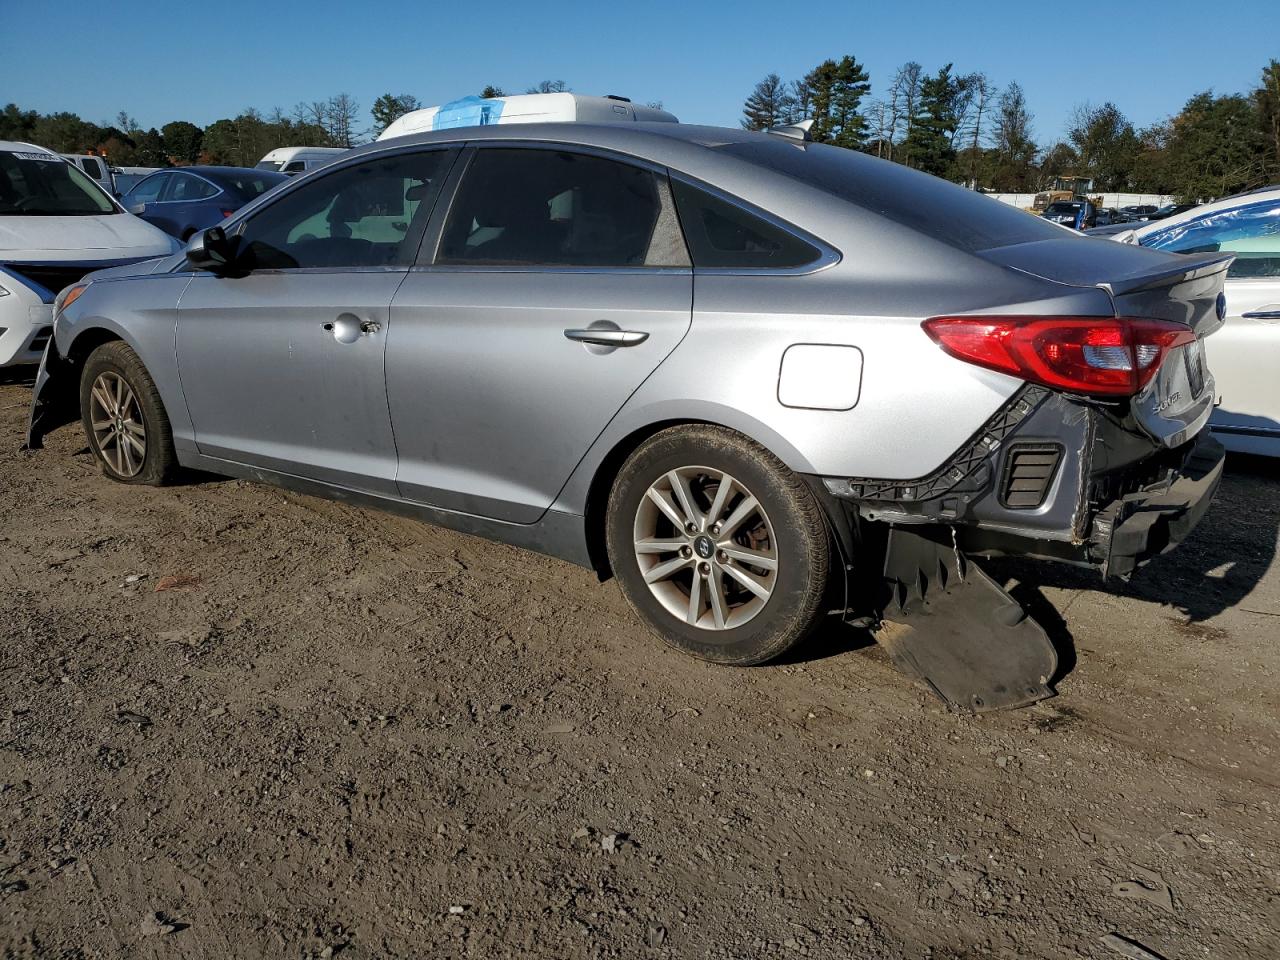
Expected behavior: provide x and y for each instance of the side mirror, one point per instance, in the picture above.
(211, 250)
(138, 209)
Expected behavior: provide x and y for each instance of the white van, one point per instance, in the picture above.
(97, 168)
(524, 108)
(56, 225)
(295, 160)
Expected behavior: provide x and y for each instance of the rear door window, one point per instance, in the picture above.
(557, 208)
(725, 235)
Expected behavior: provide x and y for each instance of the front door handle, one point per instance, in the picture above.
(1266, 313)
(349, 328)
(604, 337)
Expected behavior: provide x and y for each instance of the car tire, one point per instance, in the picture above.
(666, 506)
(124, 419)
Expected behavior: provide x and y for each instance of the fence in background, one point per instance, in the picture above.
(1108, 199)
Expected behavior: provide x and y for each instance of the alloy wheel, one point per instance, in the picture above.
(118, 427)
(705, 548)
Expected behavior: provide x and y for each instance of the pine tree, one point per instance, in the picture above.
(833, 92)
(388, 108)
(933, 128)
(769, 105)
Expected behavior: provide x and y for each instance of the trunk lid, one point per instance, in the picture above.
(1181, 288)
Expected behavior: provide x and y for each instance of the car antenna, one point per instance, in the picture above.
(796, 131)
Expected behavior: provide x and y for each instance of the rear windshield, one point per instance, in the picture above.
(245, 185)
(934, 207)
(34, 184)
(1062, 207)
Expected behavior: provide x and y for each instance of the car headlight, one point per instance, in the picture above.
(67, 297)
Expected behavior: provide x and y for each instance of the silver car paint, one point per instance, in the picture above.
(494, 406)
(520, 395)
(266, 384)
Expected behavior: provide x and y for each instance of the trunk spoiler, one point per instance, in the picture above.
(1195, 266)
(1182, 287)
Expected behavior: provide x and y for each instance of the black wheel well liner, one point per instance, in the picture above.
(838, 517)
(88, 341)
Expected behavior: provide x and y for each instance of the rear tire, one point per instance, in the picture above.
(733, 575)
(124, 419)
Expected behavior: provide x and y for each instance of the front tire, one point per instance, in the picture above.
(719, 548)
(124, 419)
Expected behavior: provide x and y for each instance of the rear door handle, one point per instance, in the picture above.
(1266, 314)
(604, 337)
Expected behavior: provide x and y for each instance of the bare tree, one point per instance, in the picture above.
(550, 86)
(316, 112)
(904, 101)
(878, 119)
(343, 110)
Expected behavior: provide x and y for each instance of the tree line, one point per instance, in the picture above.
(240, 141)
(964, 127)
(961, 126)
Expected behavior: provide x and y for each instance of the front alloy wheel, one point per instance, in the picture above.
(118, 427)
(124, 418)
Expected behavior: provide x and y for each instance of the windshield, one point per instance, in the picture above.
(268, 165)
(35, 184)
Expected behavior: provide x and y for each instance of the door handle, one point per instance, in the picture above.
(1262, 315)
(604, 337)
(349, 328)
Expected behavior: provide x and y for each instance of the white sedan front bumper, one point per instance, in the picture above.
(26, 322)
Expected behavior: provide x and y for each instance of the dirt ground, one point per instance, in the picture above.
(350, 734)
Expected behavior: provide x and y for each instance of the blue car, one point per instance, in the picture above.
(182, 200)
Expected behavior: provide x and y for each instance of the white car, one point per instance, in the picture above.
(1245, 354)
(56, 225)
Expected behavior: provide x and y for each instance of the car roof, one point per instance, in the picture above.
(18, 146)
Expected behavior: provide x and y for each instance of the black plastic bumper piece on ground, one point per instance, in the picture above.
(53, 398)
(970, 642)
(1143, 525)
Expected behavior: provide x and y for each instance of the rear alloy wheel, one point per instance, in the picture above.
(124, 420)
(720, 548)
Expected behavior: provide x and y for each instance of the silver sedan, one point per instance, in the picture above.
(756, 379)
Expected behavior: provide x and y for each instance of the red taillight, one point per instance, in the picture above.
(1116, 356)
(227, 213)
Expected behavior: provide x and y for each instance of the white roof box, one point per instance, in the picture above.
(523, 108)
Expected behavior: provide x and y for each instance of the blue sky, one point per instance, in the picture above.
(183, 60)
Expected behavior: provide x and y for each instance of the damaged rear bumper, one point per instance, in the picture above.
(1053, 478)
(1133, 529)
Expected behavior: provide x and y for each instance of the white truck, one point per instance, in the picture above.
(295, 160)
